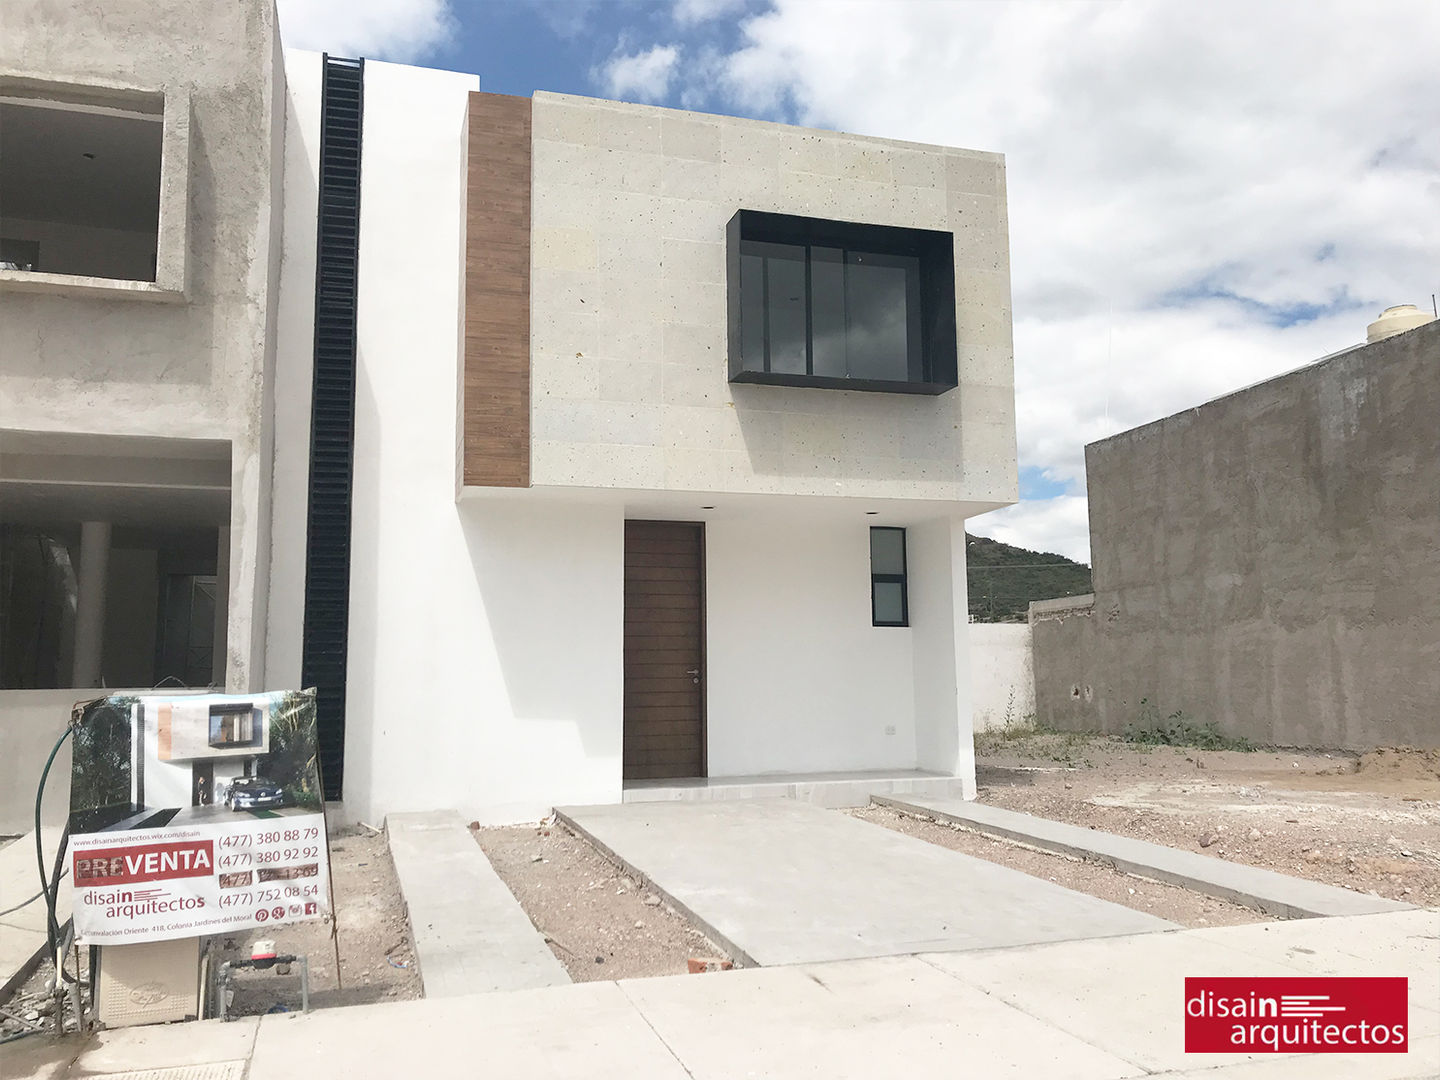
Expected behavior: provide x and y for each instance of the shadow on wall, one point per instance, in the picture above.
(551, 584)
(363, 650)
(810, 433)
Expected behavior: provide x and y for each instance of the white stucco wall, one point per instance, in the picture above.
(798, 680)
(628, 310)
(1002, 674)
(485, 637)
(936, 554)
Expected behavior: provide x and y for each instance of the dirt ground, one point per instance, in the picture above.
(1163, 901)
(377, 959)
(1369, 823)
(598, 921)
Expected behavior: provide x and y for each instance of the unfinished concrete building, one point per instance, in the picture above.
(140, 205)
(1268, 562)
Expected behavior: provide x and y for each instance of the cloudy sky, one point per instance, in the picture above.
(1202, 194)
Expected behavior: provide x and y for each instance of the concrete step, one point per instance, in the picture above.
(833, 790)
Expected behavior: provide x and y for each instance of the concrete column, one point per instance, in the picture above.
(90, 603)
(220, 663)
(939, 624)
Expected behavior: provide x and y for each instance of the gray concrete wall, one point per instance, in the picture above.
(192, 365)
(1269, 561)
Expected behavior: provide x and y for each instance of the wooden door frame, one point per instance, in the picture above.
(704, 637)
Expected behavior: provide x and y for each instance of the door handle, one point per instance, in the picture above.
(695, 672)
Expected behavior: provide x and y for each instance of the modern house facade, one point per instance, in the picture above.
(608, 446)
(1268, 562)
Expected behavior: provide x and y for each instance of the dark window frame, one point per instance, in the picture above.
(902, 579)
(934, 251)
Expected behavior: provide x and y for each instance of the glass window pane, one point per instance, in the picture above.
(752, 311)
(785, 299)
(827, 311)
(887, 551)
(889, 602)
(878, 297)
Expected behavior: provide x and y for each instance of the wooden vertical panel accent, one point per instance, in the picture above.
(664, 733)
(495, 443)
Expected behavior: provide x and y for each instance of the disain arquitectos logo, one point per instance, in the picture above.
(1300, 1015)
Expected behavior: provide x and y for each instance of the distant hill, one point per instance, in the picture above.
(1004, 579)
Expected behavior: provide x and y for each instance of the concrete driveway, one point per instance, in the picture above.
(776, 881)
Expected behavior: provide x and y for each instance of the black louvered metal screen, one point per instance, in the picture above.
(332, 410)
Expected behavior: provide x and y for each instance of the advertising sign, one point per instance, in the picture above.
(196, 814)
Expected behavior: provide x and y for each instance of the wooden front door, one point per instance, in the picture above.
(664, 650)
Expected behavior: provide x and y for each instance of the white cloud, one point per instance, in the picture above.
(1058, 525)
(402, 31)
(1200, 196)
(641, 76)
(691, 12)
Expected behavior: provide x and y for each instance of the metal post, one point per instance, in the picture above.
(224, 982)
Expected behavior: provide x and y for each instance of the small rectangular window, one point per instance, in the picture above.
(889, 593)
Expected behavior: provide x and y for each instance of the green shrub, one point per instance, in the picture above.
(1177, 729)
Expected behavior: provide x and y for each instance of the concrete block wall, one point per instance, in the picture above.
(1269, 561)
(628, 310)
(1002, 677)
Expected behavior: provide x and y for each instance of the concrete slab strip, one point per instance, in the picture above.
(169, 1046)
(1073, 985)
(471, 935)
(1275, 894)
(775, 881)
(1101, 1009)
(585, 1029)
(22, 932)
(881, 1016)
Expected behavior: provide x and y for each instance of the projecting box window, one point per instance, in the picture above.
(839, 305)
(889, 599)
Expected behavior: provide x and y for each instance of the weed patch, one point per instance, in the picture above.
(1152, 729)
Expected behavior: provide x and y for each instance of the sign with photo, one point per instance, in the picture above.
(196, 814)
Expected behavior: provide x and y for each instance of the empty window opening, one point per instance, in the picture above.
(114, 561)
(80, 187)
